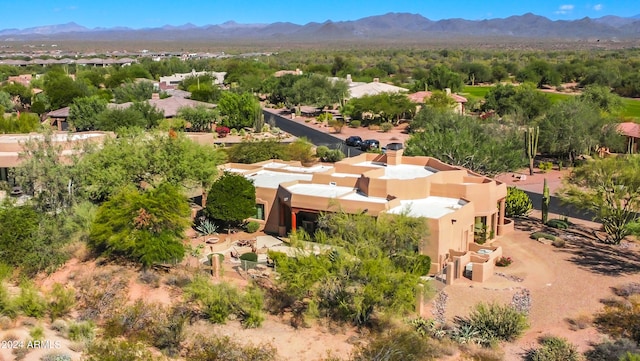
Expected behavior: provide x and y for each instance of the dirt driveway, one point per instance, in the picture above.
(565, 283)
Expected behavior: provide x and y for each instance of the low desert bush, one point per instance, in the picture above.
(6, 323)
(225, 348)
(8, 307)
(60, 326)
(355, 124)
(397, 344)
(386, 127)
(554, 348)
(579, 323)
(81, 331)
(478, 353)
(135, 322)
(149, 277)
(118, 350)
(559, 243)
(37, 333)
(621, 319)
(545, 166)
(249, 256)
(496, 322)
(30, 302)
(558, 223)
(101, 294)
(517, 203)
(504, 261)
(252, 227)
(609, 350)
(56, 356)
(537, 235)
(628, 289)
(61, 301)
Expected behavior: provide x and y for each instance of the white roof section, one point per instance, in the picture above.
(357, 196)
(291, 168)
(345, 175)
(58, 137)
(430, 207)
(271, 179)
(401, 171)
(374, 88)
(319, 190)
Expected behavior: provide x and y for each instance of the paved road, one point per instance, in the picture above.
(315, 136)
(556, 206)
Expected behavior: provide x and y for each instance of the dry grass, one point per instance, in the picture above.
(580, 322)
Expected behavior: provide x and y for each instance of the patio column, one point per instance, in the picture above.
(501, 212)
(293, 221)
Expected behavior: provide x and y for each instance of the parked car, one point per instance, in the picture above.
(353, 141)
(369, 144)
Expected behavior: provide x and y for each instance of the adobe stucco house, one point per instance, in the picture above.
(452, 200)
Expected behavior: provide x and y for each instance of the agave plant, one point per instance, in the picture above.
(206, 228)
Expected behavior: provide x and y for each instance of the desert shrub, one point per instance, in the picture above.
(8, 307)
(554, 349)
(579, 323)
(497, 322)
(545, 166)
(628, 289)
(477, 353)
(101, 294)
(206, 227)
(60, 326)
(170, 331)
(5, 271)
(37, 333)
(386, 127)
(355, 124)
(322, 151)
(558, 223)
(225, 348)
(5, 322)
(56, 356)
(149, 277)
(118, 350)
(504, 261)
(30, 302)
(621, 319)
(517, 203)
(61, 301)
(631, 357)
(397, 344)
(609, 350)
(220, 301)
(136, 322)
(537, 235)
(249, 256)
(252, 227)
(81, 331)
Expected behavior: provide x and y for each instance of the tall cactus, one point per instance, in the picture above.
(545, 202)
(531, 145)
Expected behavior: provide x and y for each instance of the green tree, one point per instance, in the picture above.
(200, 117)
(318, 90)
(603, 98)
(380, 108)
(5, 101)
(133, 92)
(539, 72)
(231, 199)
(146, 227)
(112, 119)
(517, 203)
(21, 92)
(249, 152)
(24, 123)
(524, 101)
(481, 147)
(302, 150)
(238, 110)
(610, 188)
(61, 89)
(84, 111)
(441, 77)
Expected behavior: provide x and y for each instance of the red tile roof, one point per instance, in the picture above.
(629, 129)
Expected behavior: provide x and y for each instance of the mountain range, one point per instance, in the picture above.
(388, 26)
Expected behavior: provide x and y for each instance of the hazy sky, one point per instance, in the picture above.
(147, 13)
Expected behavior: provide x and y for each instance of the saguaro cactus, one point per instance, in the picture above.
(545, 202)
(531, 145)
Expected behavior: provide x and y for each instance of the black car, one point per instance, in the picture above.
(369, 144)
(353, 141)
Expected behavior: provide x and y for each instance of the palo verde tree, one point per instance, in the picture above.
(481, 147)
(610, 188)
(199, 118)
(83, 112)
(238, 110)
(144, 226)
(231, 199)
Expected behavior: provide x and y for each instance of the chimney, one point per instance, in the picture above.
(376, 80)
(349, 78)
(394, 157)
(155, 96)
(448, 91)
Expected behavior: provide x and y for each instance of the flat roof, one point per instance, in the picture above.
(271, 179)
(345, 175)
(16, 138)
(358, 196)
(430, 207)
(400, 171)
(319, 190)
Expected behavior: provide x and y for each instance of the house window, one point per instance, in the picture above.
(259, 212)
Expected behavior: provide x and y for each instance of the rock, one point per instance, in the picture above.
(545, 241)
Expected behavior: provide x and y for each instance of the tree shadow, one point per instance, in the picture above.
(604, 259)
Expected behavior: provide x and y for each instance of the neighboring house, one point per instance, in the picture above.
(360, 89)
(11, 145)
(422, 96)
(632, 132)
(172, 81)
(281, 73)
(23, 79)
(456, 203)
